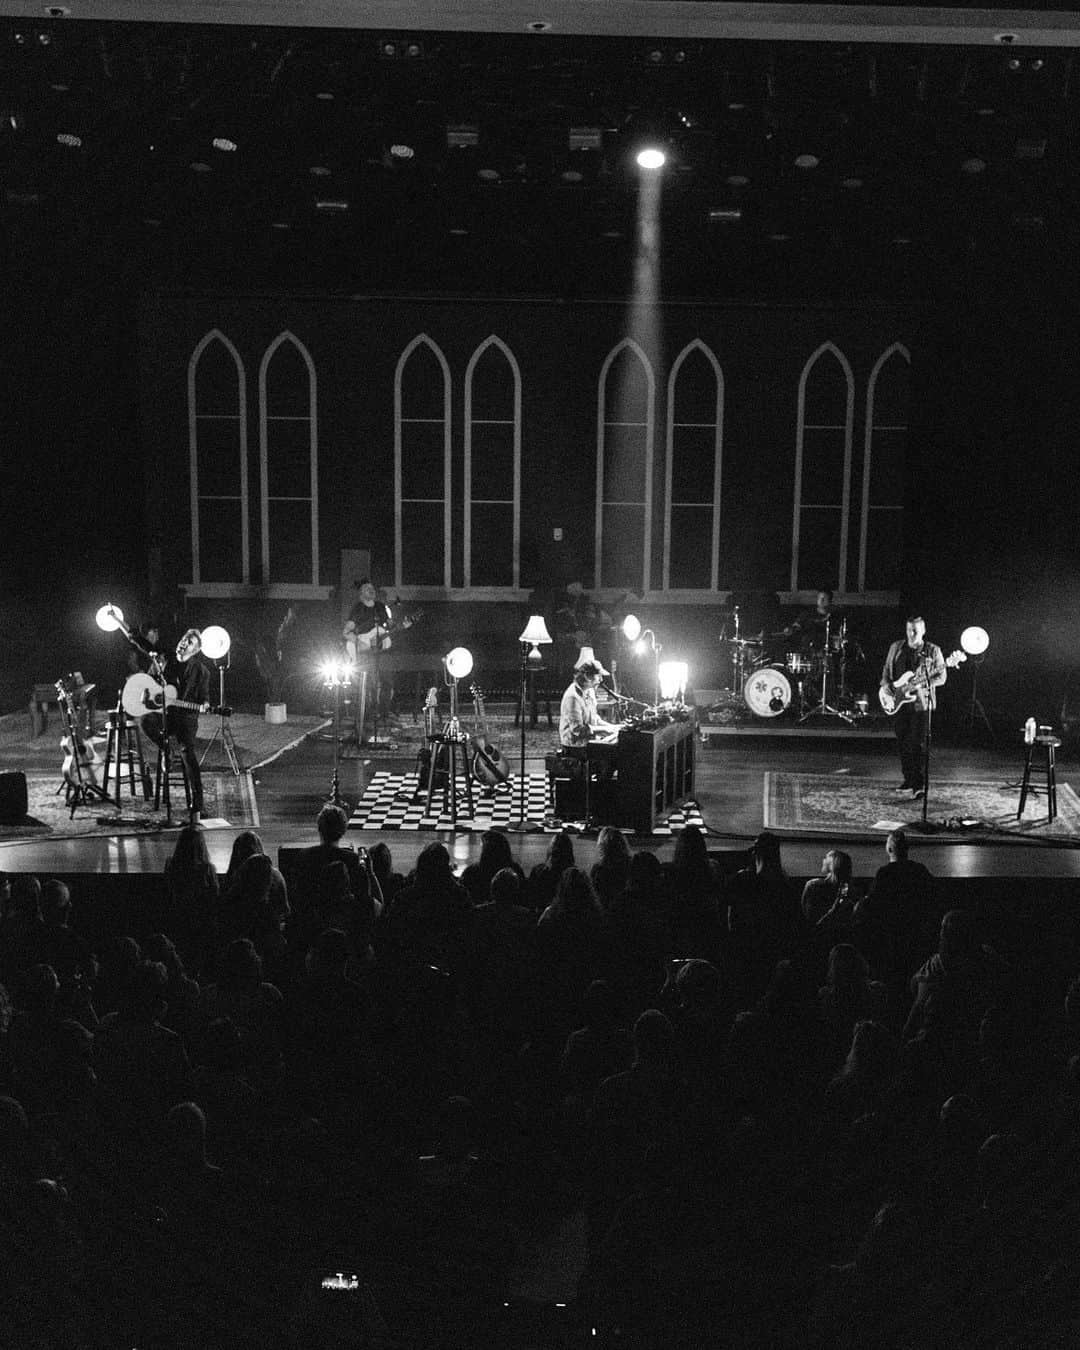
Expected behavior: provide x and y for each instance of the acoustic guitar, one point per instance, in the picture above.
(892, 697)
(488, 761)
(82, 764)
(142, 694)
(359, 644)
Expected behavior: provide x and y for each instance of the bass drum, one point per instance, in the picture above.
(767, 693)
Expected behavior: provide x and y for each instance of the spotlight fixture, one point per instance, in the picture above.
(224, 144)
(975, 640)
(401, 151)
(109, 618)
(652, 157)
(215, 642)
(459, 662)
(631, 627)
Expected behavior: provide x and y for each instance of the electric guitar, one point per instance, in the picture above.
(905, 689)
(82, 763)
(142, 694)
(358, 644)
(488, 761)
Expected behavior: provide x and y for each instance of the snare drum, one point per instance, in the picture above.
(797, 663)
(767, 693)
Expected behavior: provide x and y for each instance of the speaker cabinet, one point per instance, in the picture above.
(13, 798)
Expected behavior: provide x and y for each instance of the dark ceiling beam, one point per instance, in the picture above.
(697, 20)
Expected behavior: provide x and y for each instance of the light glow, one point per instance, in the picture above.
(651, 158)
(215, 642)
(975, 640)
(109, 618)
(459, 662)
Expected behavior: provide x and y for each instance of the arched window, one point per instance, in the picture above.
(289, 462)
(422, 466)
(884, 454)
(217, 458)
(492, 466)
(625, 417)
(695, 440)
(823, 431)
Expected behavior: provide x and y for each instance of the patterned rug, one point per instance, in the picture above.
(405, 737)
(394, 801)
(228, 802)
(844, 807)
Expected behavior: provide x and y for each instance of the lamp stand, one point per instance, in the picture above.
(223, 731)
(522, 823)
(335, 798)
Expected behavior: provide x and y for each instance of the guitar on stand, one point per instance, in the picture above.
(80, 779)
(488, 762)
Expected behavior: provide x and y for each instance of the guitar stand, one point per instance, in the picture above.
(81, 792)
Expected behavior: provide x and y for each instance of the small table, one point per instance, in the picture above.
(1049, 746)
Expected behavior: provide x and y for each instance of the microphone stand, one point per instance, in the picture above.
(923, 826)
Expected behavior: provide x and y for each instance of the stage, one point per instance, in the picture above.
(734, 779)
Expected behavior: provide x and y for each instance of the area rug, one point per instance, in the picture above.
(844, 806)
(403, 738)
(228, 802)
(395, 801)
(256, 741)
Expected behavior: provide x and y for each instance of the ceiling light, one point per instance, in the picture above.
(198, 166)
(572, 176)
(806, 161)
(319, 171)
(462, 135)
(325, 96)
(585, 138)
(69, 138)
(279, 225)
(488, 175)
(328, 204)
(402, 151)
(737, 180)
(223, 143)
(973, 165)
(651, 158)
(725, 215)
(851, 183)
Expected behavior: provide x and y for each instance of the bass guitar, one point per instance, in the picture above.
(142, 694)
(905, 689)
(488, 762)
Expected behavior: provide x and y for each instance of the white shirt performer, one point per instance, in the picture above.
(579, 720)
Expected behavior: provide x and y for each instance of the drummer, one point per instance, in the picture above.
(809, 626)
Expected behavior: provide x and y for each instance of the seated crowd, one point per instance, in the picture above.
(833, 1116)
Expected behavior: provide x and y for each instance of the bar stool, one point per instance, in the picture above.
(123, 743)
(1048, 744)
(447, 748)
(177, 777)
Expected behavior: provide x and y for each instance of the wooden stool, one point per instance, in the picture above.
(1049, 746)
(123, 742)
(445, 756)
(177, 777)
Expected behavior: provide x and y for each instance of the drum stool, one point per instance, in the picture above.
(1048, 744)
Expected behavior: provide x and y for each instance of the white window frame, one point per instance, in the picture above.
(845, 499)
(312, 419)
(627, 344)
(422, 340)
(718, 460)
(470, 422)
(897, 349)
(194, 416)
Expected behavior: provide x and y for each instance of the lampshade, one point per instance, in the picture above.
(215, 642)
(631, 627)
(673, 677)
(459, 662)
(535, 630)
(109, 618)
(974, 641)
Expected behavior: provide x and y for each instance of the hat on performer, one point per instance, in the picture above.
(586, 658)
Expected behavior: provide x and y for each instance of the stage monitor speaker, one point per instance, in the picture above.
(13, 799)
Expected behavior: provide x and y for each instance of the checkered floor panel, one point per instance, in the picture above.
(394, 801)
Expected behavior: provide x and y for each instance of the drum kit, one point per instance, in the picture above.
(808, 682)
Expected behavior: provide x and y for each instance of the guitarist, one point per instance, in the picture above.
(367, 633)
(913, 671)
(193, 686)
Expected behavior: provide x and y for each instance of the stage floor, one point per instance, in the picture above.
(731, 777)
